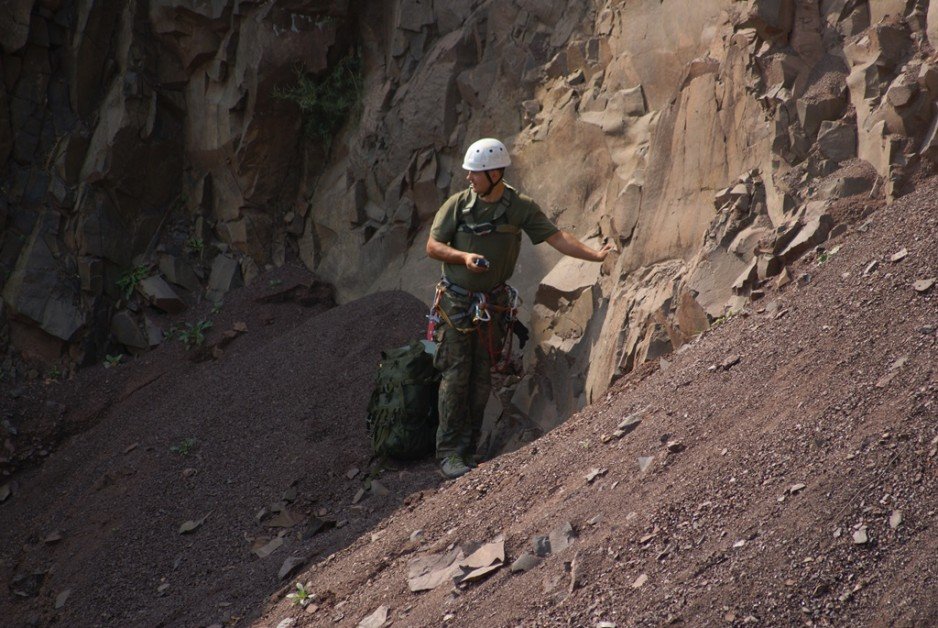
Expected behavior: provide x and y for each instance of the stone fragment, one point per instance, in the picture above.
(380, 617)
(899, 255)
(160, 295)
(127, 332)
(729, 362)
(813, 111)
(351, 473)
(860, 537)
(593, 474)
(541, 545)
(178, 271)
(630, 422)
(62, 598)
(264, 549)
(797, 488)
(225, 276)
(813, 233)
(675, 447)
(772, 19)
(640, 581)
(290, 565)
(379, 489)
(895, 519)
(561, 537)
(923, 285)
(837, 141)
(577, 78)
(644, 462)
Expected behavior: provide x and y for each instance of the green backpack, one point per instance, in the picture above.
(402, 413)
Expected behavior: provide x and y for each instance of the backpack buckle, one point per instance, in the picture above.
(482, 229)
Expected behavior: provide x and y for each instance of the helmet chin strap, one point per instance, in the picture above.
(492, 184)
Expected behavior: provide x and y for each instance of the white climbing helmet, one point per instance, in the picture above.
(486, 154)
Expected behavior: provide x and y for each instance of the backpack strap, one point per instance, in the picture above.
(493, 226)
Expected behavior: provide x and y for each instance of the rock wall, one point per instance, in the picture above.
(149, 163)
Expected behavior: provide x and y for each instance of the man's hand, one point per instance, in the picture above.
(608, 248)
(445, 253)
(476, 263)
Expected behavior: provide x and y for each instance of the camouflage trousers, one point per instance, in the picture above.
(463, 359)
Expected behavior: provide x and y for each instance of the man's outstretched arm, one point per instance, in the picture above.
(568, 244)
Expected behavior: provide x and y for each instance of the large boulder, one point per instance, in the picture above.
(43, 288)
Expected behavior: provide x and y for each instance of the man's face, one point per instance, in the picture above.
(479, 182)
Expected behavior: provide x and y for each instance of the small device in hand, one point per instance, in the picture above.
(481, 262)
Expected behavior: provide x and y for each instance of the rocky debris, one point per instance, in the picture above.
(291, 565)
(159, 294)
(561, 537)
(595, 473)
(860, 536)
(675, 446)
(525, 562)
(644, 462)
(264, 547)
(461, 564)
(924, 285)
(377, 619)
(192, 525)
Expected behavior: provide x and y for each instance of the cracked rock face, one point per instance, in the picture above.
(152, 136)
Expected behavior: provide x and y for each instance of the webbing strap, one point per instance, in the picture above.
(486, 228)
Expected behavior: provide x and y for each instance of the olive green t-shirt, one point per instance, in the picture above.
(500, 248)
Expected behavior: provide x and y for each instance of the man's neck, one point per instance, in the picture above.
(496, 194)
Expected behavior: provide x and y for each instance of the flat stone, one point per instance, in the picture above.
(379, 617)
(290, 565)
(640, 581)
(644, 462)
(225, 276)
(895, 519)
(127, 332)
(562, 537)
(595, 473)
(899, 256)
(860, 537)
(923, 285)
(161, 295)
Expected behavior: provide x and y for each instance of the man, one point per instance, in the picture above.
(477, 236)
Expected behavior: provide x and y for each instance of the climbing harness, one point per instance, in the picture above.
(479, 315)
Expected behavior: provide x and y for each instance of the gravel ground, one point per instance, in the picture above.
(792, 475)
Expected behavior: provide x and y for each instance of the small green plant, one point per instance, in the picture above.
(54, 373)
(195, 245)
(216, 307)
(275, 282)
(113, 360)
(300, 597)
(194, 333)
(326, 101)
(825, 256)
(131, 279)
(185, 446)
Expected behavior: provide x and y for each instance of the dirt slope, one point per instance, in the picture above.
(834, 389)
(280, 412)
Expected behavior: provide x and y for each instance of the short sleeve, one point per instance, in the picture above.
(536, 224)
(444, 223)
